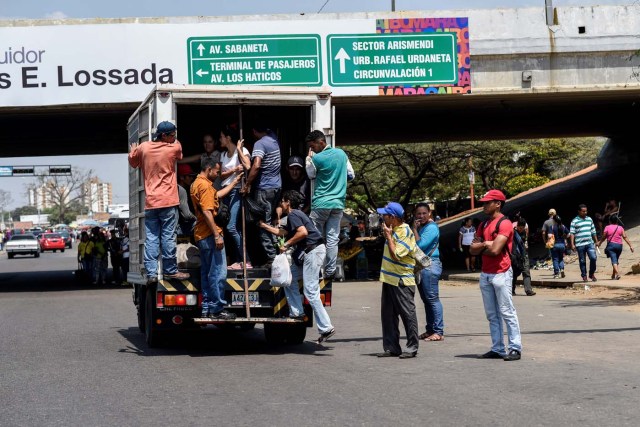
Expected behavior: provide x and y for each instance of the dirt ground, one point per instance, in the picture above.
(628, 300)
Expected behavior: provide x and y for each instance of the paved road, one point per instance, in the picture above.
(73, 356)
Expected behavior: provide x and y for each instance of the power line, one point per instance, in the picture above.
(325, 3)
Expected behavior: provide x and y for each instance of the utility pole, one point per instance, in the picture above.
(393, 5)
(472, 180)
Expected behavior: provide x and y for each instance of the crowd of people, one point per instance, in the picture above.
(96, 247)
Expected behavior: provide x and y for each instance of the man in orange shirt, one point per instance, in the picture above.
(157, 159)
(210, 241)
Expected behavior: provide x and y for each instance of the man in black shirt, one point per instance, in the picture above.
(308, 257)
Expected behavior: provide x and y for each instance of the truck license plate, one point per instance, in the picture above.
(237, 298)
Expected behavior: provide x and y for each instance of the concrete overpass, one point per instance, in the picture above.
(576, 75)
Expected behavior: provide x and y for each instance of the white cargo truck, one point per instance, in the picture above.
(172, 305)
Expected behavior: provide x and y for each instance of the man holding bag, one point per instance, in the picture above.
(308, 257)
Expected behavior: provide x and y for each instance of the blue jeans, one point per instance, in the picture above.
(160, 233)
(429, 292)
(498, 306)
(270, 200)
(327, 221)
(213, 275)
(311, 286)
(234, 202)
(557, 257)
(590, 251)
(614, 249)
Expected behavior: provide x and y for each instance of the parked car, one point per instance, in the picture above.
(52, 242)
(22, 244)
(67, 239)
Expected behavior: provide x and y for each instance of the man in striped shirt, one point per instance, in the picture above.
(583, 239)
(398, 284)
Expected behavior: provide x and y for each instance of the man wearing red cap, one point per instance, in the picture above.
(494, 241)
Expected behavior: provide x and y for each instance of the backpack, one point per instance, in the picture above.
(517, 258)
(223, 216)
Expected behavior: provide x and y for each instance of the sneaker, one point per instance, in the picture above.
(326, 335)
(408, 355)
(491, 355)
(593, 278)
(299, 317)
(223, 315)
(562, 274)
(178, 275)
(531, 293)
(249, 265)
(513, 355)
(236, 266)
(556, 276)
(387, 354)
(584, 279)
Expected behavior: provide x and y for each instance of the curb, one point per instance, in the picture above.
(548, 283)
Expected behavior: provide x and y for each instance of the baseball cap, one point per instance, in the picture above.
(493, 195)
(392, 208)
(552, 211)
(296, 161)
(185, 169)
(165, 127)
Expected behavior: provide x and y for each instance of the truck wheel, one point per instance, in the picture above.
(273, 334)
(62, 250)
(36, 255)
(141, 308)
(281, 334)
(152, 334)
(295, 334)
(10, 256)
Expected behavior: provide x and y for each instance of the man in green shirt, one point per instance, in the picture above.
(331, 169)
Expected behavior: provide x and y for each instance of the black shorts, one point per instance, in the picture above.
(465, 250)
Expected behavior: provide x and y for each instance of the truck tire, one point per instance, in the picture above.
(10, 256)
(153, 336)
(141, 308)
(62, 250)
(36, 255)
(277, 334)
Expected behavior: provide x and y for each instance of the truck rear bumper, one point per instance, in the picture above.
(243, 320)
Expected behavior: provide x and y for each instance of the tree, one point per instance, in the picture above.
(5, 200)
(63, 190)
(23, 210)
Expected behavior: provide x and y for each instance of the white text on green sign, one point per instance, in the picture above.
(258, 60)
(392, 59)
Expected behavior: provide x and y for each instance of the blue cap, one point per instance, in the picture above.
(392, 208)
(165, 127)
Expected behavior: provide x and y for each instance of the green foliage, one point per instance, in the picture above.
(23, 210)
(439, 171)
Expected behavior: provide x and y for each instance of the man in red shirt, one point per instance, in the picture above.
(494, 241)
(157, 159)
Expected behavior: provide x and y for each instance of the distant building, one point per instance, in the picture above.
(42, 197)
(97, 195)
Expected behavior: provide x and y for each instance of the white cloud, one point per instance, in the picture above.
(56, 15)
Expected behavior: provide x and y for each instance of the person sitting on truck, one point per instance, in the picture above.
(210, 240)
(265, 171)
(157, 159)
(186, 218)
(308, 258)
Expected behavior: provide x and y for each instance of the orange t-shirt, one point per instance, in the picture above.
(502, 262)
(157, 161)
(204, 198)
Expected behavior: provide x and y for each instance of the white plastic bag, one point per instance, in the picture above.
(281, 271)
(187, 256)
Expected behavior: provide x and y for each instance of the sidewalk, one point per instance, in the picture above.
(544, 278)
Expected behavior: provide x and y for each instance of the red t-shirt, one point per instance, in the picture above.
(502, 262)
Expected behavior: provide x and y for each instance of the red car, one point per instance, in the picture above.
(52, 242)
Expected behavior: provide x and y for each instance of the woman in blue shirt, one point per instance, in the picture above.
(427, 237)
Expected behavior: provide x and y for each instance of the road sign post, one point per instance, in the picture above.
(255, 60)
(392, 59)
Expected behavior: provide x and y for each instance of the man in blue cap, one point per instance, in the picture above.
(398, 284)
(157, 159)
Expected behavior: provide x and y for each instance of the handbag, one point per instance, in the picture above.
(423, 260)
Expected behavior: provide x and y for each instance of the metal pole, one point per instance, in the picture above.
(471, 182)
(247, 304)
(393, 5)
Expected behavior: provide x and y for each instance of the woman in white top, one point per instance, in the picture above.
(465, 237)
(232, 165)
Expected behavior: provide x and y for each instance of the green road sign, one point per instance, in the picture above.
(255, 60)
(392, 59)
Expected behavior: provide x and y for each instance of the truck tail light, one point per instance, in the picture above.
(179, 299)
(326, 299)
(192, 299)
(159, 300)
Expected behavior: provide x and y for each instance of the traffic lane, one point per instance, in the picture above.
(51, 271)
(77, 357)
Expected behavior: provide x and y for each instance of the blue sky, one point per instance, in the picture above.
(113, 168)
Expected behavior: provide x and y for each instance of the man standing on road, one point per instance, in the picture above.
(210, 241)
(265, 171)
(157, 159)
(583, 238)
(331, 169)
(398, 284)
(521, 251)
(547, 226)
(493, 241)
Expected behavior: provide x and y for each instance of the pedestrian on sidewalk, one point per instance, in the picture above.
(560, 233)
(613, 234)
(398, 284)
(465, 237)
(494, 241)
(521, 252)
(583, 239)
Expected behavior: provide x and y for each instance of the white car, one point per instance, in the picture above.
(23, 244)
